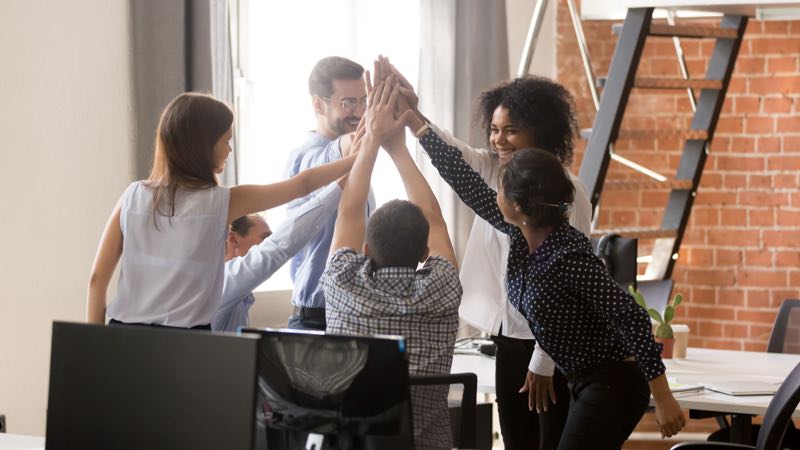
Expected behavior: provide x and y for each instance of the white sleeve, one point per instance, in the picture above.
(580, 216)
(480, 159)
(541, 363)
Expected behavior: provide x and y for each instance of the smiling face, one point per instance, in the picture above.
(506, 137)
(221, 151)
(341, 112)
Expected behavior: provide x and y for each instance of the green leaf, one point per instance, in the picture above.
(637, 297)
(664, 331)
(677, 300)
(669, 313)
(655, 315)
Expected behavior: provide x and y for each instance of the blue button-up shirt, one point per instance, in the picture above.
(309, 263)
(245, 273)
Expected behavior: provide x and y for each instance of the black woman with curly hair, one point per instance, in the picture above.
(532, 397)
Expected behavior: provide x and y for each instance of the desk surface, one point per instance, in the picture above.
(701, 366)
(20, 442)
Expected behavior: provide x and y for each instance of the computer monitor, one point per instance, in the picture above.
(321, 391)
(134, 388)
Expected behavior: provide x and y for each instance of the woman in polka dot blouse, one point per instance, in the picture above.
(597, 335)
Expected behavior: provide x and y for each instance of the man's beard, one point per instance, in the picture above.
(346, 125)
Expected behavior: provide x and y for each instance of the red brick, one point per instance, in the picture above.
(794, 278)
(728, 257)
(743, 144)
(710, 277)
(782, 181)
(758, 258)
(778, 105)
(763, 198)
(735, 330)
(711, 179)
(733, 237)
(762, 278)
(761, 217)
(710, 312)
(757, 296)
(791, 143)
(750, 65)
(704, 216)
(756, 181)
(727, 124)
(716, 198)
(765, 317)
(733, 217)
(787, 259)
(782, 64)
(702, 296)
(775, 46)
(760, 125)
(701, 257)
(654, 199)
(734, 181)
(710, 329)
(759, 302)
(779, 295)
(739, 163)
(779, 84)
(731, 297)
(749, 104)
(768, 144)
(782, 239)
(783, 162)
(775, 26)
(790, 124)
(789, 218)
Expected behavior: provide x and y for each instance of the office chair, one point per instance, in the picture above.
(464, 434)
(776, 420)
(785, 338)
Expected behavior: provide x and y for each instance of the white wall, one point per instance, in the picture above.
(65, 148)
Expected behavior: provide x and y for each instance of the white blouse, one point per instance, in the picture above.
(171, 274)
(484, 304)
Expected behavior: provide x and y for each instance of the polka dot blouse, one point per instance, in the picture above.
(576, 311)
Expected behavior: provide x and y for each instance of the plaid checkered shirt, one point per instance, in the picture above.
(420, 305)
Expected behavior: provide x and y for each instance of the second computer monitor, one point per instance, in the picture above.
(352, 392)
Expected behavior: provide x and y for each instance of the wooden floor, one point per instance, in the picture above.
(647, 437)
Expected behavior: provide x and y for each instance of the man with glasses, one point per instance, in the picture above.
(339, 98)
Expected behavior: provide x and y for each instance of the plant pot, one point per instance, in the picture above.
(669, 346)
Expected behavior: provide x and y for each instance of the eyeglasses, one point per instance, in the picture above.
(350, 103)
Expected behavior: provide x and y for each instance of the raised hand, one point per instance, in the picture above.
(381, 122)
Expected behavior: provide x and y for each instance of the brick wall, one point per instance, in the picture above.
(741, 253)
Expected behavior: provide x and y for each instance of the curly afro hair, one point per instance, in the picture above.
(538, 106)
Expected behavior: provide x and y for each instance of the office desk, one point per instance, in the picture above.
(701, 366)
(20, 442)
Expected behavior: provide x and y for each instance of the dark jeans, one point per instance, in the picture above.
(307, 319)
(607, 403)
(197, 327)
(522, 428)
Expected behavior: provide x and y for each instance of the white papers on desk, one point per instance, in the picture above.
(745, 387)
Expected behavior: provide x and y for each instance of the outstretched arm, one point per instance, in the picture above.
(420, 194)
(251, 198)
(378, 124)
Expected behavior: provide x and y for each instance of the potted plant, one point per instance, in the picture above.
(663, 331)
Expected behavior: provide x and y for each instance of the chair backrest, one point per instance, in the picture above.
(785, 337)
(619, 256)
(466, 437)
(779, 412)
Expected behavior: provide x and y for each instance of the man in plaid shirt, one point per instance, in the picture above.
(380, 291)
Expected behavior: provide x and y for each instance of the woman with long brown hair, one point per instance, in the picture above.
(170, 229)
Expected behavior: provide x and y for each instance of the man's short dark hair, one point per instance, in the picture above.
(538, 105)
(326, 70)
(397, 234)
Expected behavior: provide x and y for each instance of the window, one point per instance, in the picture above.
(284, 40)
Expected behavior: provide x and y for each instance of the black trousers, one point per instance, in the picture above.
(307, 319)
(607, 403)
(520, 427)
